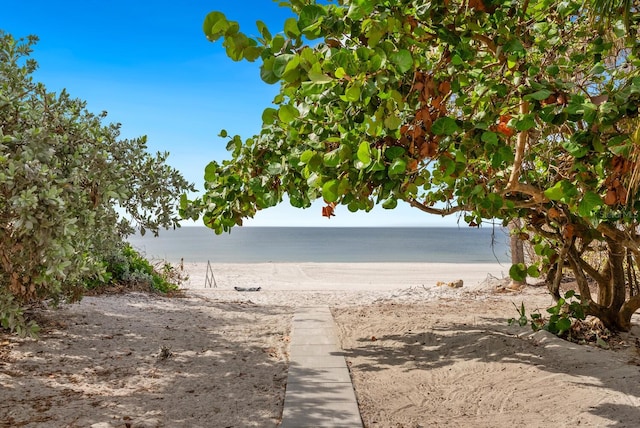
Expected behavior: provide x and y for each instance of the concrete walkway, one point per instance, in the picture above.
(319, 391)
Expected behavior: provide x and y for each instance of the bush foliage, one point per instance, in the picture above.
(130, 269)
(66, 179)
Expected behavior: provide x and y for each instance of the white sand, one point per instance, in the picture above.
(339, 284)
(420, 355)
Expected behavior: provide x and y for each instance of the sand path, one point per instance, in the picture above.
(419, 355)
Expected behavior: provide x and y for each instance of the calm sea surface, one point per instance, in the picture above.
(325, 245)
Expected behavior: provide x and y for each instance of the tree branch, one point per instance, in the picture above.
(438, 211)
(619, 236)
(591, 271)
(583, 284)
(486, 40)
(527, 189)
(627, 310)
(523, 137)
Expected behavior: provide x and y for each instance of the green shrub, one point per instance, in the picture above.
(12, 317)
(130, 269)
(562, 315)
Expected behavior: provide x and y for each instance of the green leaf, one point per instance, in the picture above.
(234, 144)
(211, 172)
(553, 70)
(444, 126)
(375, 33)
(589, 203)
(214, 25)
(359, 9)
(266, 72)
(223, 133)
(555, 193)
(332, 159)
(398, 166)
(306, 156)
(330, 190)
(288, 113)
(340, 73)
(352, 94)
(277, 43)
(364, 153)
(239, 46)
(533, 271)
(576, 149)
(394, 152)
(563, 191)
(275, 168)
(518, 272)
(563, 324)
(291, 29)
(264, 31)
(321, 78)
(496, 202)
(598, 69)
(269, 116)
(525, 123)
(514, 46)
(309, 15)
(392, 122)
(489, 137)
(390, 204)
(540, 95)
(403, 60)
(280, 64)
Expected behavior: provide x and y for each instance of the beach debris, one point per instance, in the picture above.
(453, 284)
(247, 288)
(498, 285)
(165, 353)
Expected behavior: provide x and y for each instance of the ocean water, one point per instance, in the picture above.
(327, 245)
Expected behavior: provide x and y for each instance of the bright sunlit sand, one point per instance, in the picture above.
(419, 354)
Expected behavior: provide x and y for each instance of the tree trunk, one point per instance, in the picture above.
(613, 295)
(627, 311)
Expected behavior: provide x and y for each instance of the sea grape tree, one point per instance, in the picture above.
(65, 181)
(500, 109)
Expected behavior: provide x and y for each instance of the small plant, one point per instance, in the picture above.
(129, 268)
(12, 317)
(562, 315)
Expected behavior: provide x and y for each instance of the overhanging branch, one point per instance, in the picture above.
(536, 194)
(619, 236)
(438, 211)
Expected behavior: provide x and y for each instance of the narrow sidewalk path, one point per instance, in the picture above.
(319, 390)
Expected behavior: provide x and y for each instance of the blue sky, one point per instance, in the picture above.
(150, 67)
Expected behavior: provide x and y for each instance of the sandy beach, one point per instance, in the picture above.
(420, 354)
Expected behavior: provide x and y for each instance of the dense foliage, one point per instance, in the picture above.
(500, 109)
(65, 182)
(130, 270)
